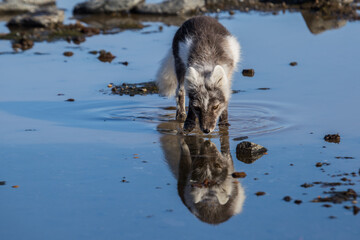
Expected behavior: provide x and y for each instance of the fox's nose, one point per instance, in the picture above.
(206, 131)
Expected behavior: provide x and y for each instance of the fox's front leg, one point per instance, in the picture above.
(223, 120)
(180, 104)
(190, 122)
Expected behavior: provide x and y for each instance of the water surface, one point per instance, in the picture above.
(108, 166)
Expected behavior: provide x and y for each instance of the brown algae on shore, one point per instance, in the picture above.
(133, 89)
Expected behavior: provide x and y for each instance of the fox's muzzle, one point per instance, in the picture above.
(207, 122)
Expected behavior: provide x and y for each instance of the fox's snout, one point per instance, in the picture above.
(207, 123)
(206, 130)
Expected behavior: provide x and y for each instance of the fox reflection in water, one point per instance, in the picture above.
(205, 184)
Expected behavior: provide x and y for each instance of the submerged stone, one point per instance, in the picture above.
(249, 152)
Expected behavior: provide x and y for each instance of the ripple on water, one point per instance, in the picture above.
(245, 118)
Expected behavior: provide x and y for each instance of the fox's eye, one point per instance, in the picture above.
(196, 108)
(215, 107)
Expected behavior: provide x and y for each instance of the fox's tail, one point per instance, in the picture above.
(166, 77)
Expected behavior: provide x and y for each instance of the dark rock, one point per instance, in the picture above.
(16, 6)
(287, 198)
(260, 193)
(23, 44)
(344, 157)
(105, 6)
(132, 89)
(337, 196)
(71, 32)
(249, 152)
(41, 19)
(318, 164)
(238, 175)
(307, 185)
(334, 138)
(248, 72)
(68, 54)
(171, 7)
(320, 22)
(356, 210)
(106, 56)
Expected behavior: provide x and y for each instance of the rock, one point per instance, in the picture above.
(318, 22)
(106, 56)
(45, 19)
(105, 6)
(238, 175)
(249, 152)
(35, 2)
(133, 89)
(248, 72)
(176, 7)
(68, 54)
(23, 44)
(287, 198)
(11, 6)
(260, 193)
(333, 138)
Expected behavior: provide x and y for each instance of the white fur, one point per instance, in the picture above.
(184, 49)
(239, 200)
(192, 79)
(166, 78)
(234, 49)
(220, 80)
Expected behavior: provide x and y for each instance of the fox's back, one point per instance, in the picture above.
(202, 41)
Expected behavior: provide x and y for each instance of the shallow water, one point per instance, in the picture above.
(109, 166)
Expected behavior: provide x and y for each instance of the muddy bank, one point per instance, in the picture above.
(75, 33)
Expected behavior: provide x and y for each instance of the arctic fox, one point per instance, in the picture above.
(201, 62)
(204, 175)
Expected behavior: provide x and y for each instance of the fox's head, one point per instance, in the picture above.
(209, 93)
(210, 192)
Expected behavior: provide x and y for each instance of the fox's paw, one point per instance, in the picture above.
(189, 126)
(180, 116)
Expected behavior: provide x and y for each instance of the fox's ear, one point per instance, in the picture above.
(220, 80)
(191, 78)
(218, 75)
